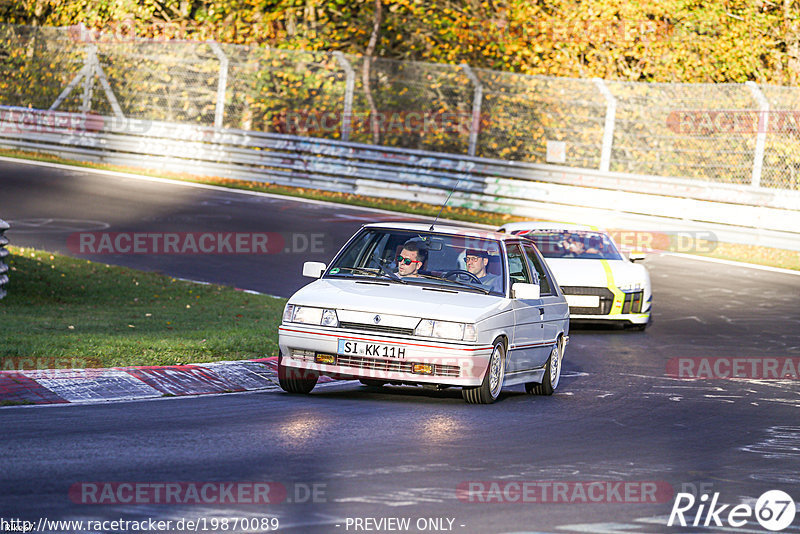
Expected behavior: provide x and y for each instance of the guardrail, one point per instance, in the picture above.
(735, 213)
(3, 253)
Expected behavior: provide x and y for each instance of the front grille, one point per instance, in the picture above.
(605, 294)
(378, 328)
(401, 366)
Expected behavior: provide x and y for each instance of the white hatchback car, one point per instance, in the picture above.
(599, 282)
(410, 304)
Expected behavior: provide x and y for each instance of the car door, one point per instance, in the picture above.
(526, 346)
(553, 305)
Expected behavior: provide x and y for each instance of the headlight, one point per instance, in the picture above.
(636, 286)
(308, 315)
(446, 330)
(288, 313)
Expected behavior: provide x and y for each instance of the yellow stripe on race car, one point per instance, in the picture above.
(619, 296)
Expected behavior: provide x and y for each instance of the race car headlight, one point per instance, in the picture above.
(446, 330)
(309, 315)
(633, 286)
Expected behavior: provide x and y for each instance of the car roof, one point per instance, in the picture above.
(555, 226)
(444, 229)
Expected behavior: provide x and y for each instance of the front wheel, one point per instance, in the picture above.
(293, 380)
(552, 375)
(489, 390)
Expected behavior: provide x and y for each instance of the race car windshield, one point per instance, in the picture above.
(452, 262)
(574, 244)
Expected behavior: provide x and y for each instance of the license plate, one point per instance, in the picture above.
(348, 347)
(583, 301)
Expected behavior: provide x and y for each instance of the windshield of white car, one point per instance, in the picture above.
(423, 258)
(580, 244)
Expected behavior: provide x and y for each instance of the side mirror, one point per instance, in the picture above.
(525, 291)
(313, 269)
(635, 256)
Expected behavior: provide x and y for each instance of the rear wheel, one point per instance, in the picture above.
(489, 390)
(293, 380)
(552, 374)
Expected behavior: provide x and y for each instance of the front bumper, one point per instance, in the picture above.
(632, 318)
(612, 304)
(451, 363)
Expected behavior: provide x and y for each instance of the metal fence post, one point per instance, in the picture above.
(219, 112)
(88, 80)
(608, 126)
(761, 134)
(91, 67)
(350, 80)
(3, 253)
(477, 101)
(97, 68)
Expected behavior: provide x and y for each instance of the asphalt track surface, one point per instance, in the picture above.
(402, 452)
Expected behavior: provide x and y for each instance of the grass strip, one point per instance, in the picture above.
(772, 257)
(62, 312)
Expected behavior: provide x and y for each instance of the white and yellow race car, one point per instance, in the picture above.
(601, 283)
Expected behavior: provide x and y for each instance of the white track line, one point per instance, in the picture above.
(733, 263)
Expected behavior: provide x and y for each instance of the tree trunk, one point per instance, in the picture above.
(365, 73)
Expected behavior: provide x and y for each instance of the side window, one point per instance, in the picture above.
(536, 266)
(517, 268)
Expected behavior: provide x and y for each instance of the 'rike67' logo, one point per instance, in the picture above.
(774, 510)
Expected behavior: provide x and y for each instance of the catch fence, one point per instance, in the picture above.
(740, 134)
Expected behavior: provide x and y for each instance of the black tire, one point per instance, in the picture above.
(641, 327)
(294, 380)
(489, 390)
(552, 374)
(371, 382)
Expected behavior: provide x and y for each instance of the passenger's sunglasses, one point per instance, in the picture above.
(406, 261)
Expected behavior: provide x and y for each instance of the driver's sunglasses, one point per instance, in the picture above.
(406, 261)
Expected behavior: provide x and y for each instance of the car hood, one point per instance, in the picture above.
(592, 273)
(399, 299)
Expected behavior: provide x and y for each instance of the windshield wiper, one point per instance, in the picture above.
(388, 272)
(462, 284)
(361, 270)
